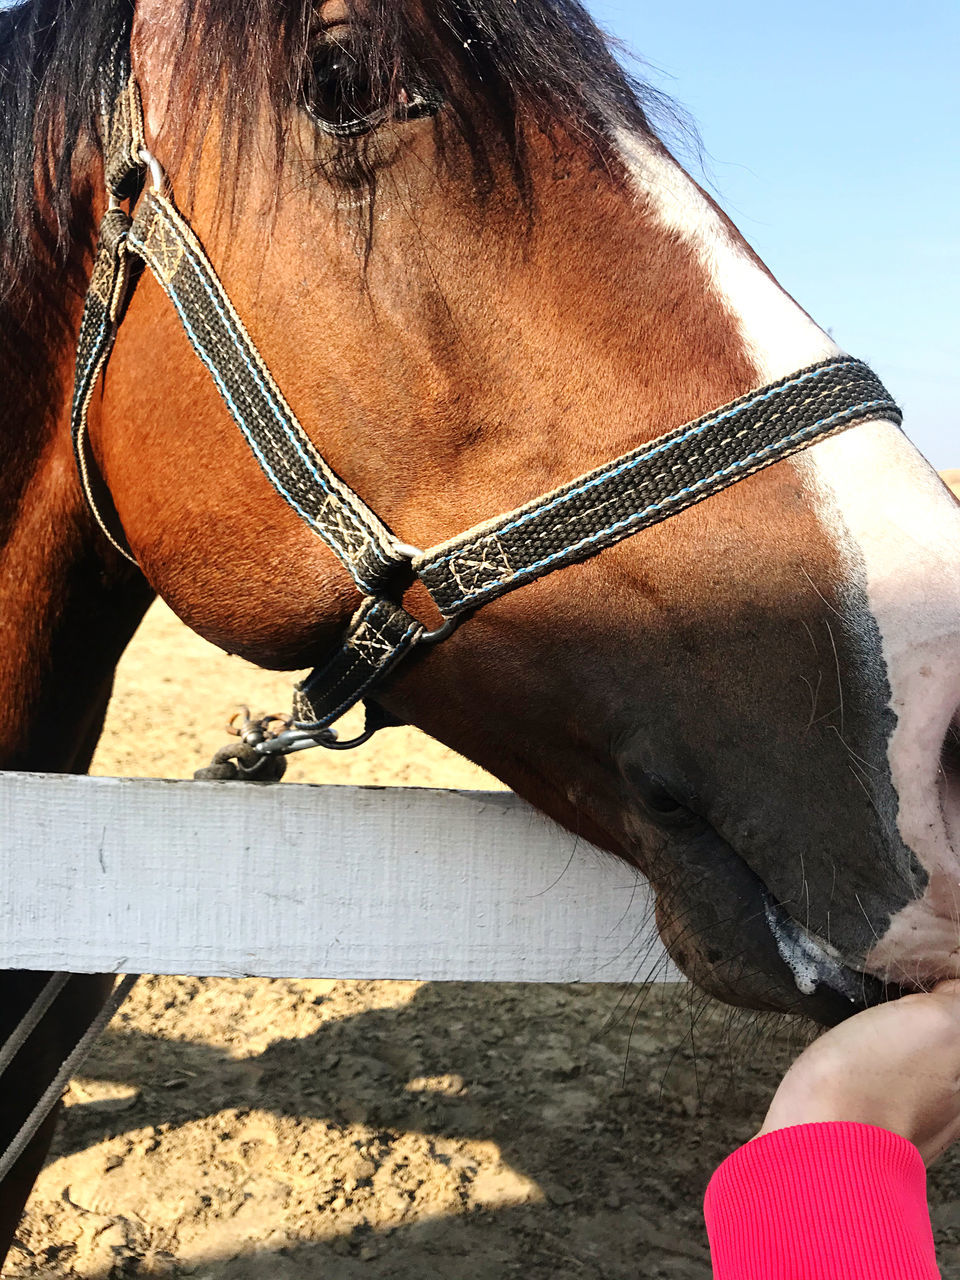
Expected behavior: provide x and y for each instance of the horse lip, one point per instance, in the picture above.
(828, 988)
(814, 962)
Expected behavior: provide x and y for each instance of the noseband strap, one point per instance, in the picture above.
(562, 528)
(654, 482)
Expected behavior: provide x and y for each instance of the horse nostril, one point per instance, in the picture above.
(656, 796)
(666, 803)
(950, 780)
(951, 750)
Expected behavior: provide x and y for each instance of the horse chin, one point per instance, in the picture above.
(736, 942)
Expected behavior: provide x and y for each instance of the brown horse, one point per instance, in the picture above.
(466, 306)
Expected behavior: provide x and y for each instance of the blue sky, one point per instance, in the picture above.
(830, 138)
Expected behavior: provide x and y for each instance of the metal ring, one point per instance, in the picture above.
(407, 551)
(293, 740)
(441, 633)
(410, 553)
(157, 173)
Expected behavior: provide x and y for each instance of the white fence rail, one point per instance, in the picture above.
(107, 874)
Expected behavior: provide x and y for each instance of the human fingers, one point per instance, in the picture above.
(896, 1066)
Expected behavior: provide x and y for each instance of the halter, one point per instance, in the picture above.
(562, 528)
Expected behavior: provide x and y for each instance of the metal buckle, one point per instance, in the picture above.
(284, 736)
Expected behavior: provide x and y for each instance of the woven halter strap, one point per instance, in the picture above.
(562, 528)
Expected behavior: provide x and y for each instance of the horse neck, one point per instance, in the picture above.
(67, 605)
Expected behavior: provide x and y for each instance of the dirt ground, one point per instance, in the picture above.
(391, 1131)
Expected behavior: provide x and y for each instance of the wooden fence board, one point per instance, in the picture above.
(106, 874)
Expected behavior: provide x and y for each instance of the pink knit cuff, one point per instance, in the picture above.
(837, 1201)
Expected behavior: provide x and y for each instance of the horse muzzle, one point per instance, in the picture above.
(727, 932)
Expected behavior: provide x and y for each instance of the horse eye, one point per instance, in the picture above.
(345, 100)
(340, 93)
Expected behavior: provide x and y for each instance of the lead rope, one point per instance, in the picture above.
(71, 1064)
(31, 1019)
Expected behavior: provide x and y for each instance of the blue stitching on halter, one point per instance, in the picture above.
(658, 506)
(198, 346)
(95, 356)
(251, 365)
(278, 414)
(653, 453)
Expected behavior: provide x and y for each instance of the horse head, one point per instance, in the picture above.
(477, 273)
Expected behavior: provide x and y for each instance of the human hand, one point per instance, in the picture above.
(896, 1066)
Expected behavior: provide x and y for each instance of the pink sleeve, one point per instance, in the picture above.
(834, 1201)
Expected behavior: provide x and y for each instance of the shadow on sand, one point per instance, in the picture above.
(475, 1131)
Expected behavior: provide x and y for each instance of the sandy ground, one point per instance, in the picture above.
(397, 1131)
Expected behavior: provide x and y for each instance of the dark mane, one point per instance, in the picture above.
(50, 55)
(543, 56)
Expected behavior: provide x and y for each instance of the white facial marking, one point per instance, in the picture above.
(895, 526)
(889, 511)
(779, 335)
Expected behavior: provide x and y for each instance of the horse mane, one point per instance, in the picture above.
(547, 57)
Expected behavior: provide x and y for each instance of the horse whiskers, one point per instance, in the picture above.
(833, 609)
(876, 936)
(850, 751)
(884, 821)
(814, 699)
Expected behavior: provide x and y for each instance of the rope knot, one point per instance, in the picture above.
(242, 762)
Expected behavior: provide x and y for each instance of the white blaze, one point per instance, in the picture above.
(779, 335)
(898, 530)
